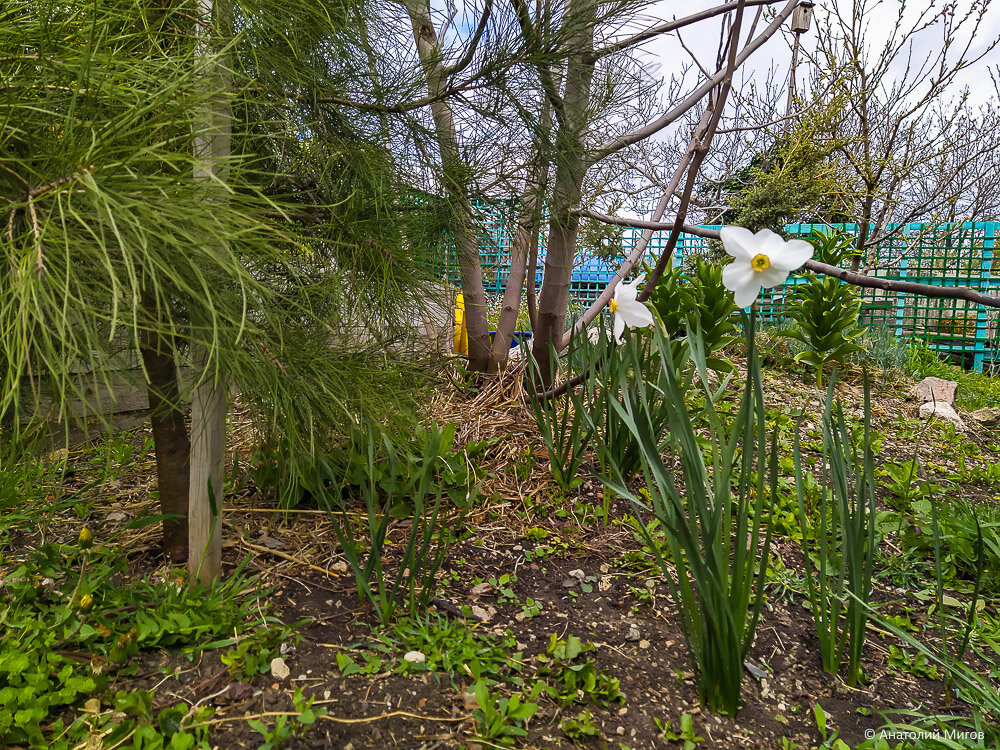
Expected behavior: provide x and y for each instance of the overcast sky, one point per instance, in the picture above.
(664, 52)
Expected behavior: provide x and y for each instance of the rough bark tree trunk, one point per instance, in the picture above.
(454, 181)
(170, 435)
(571, 167)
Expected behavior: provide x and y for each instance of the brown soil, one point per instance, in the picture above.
(636, 636)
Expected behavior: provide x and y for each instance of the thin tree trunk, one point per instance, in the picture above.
(531, 292)
(454, 176)
(523, 252)
(208, 451)
(571, 167)
(170, 435)
(208, 409)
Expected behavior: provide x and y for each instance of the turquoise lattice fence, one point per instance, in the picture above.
(942, 255)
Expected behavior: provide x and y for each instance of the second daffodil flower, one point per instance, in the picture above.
(759, 260)
(628, 311)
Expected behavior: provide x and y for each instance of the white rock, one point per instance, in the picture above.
(941, 411)
(279, 670)
(415, 657)
(117, 516)
(633, 634)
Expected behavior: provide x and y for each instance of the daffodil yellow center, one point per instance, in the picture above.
(760, 262)
(612, 305)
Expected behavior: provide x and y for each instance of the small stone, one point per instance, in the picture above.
(339, 567)
(568, 583)
(620, 731)
(415, 657)
(117, 516)
(633, 634)
(482, 588)
(644, 644)
(485, 615)
(578, 574)
(279, 670)
(271, 543)
(988, 417)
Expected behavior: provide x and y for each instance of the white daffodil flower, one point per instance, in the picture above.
(759, 260)
(628, 311)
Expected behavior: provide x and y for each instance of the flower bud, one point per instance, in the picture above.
(86, 538)
(86, 602)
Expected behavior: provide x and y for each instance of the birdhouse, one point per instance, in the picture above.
(802, 16)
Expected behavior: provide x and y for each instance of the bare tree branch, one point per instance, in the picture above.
(652, 128)
(677, 23)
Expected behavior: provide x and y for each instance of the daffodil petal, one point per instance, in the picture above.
(773, 276)
(770, 243)
(619, 328)
(792, 255)
(746, 294)
(627, 292)
(635, 314)
(739, 242)
(737, 274)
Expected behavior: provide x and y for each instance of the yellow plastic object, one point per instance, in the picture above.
(461, 335)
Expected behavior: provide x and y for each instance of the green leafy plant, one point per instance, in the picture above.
(719, 583)
(686, 733)
(70, 599)
(561, 422)
(831, 739)
(903, 482)
(916, 664)
(697, 294)
(397, 481)
(582, 728)
(289, 726)
(567, 676)
(715, 311)
(842, 558)
(826, 313)
(501, 718)
(881, 348)
(253, 653)
(625, 371)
